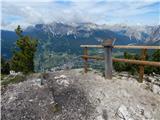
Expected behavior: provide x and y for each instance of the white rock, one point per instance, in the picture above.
(11, 99)
(38, 82)
(14, 73)
(63, 82)
(147, 115)
(100, 118)
(63, 76)
(124, 93)
(156, 89)
(59, 77)
(52, 70)
(124, 78)
(152, 79)
(30, 100)
(123, 113)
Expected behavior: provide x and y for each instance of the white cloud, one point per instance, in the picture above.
(33, 1)
(31, 12)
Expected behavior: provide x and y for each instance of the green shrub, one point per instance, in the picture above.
(119, 66)
(150, 69)
(133, 69)
(13, 80)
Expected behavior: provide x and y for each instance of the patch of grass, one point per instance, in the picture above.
(2, 76)
(56, 108)
(13, 80)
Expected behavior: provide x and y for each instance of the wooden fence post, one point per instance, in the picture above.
(86, 60)
(108, 58)
(141, 67)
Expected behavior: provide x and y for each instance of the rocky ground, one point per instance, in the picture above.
(73, 95)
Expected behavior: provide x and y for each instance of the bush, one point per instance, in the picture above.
(119, 66)
(133, 69)
(154, 57)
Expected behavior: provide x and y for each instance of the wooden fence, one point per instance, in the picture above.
(108, 58)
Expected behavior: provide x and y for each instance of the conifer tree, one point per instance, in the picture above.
(5, 67)
(23, 59)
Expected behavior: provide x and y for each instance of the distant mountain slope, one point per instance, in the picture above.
(154, 37)
(61, 37)
(8, 39)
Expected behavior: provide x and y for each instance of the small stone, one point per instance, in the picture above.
(123, 112)
(152, 79)
(124, 78)
(38, 82)
(30, 100)
(100, 118)
(63, 82)
(60, 77)
(156, 89)
(14, 73)
(147, 115)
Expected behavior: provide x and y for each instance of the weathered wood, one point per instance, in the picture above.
(107, 45)
(86, 60)
(141, 67)
(93, 57)
(123, 47)
(137, 62)
(108, 62)
(108, 58)
(91, 46)
(136, 47)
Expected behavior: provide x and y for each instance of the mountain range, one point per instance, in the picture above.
(60, 37)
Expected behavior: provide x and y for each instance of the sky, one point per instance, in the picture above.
(31, 12)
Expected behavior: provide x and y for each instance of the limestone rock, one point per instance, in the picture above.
(72, 95)
(123, 113)
(156, 89)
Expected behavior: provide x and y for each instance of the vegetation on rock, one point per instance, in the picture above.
(5, 66)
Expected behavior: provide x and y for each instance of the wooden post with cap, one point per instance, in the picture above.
(141, 67)
(85, 60)
(107, 44)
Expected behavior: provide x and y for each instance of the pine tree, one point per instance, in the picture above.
(5, 67)
(23, 59)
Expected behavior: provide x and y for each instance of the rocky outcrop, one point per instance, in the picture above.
(73, 95)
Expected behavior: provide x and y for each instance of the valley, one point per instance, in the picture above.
(59, 43)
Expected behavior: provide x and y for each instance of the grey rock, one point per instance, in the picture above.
(123, 113)
(156, 89)
(72, 95)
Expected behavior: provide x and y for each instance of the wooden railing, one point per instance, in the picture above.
(108, 58)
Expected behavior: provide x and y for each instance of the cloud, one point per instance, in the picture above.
(31, 12)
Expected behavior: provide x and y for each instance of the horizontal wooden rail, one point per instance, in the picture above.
(122, 47)
(93, 57)
(107, 45)
(136, 47)
(92, 46)
(138, 62)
